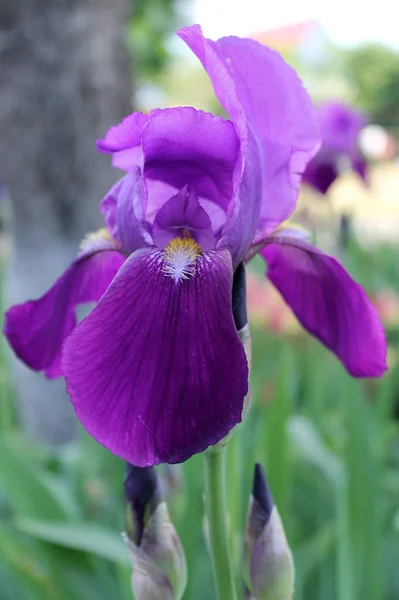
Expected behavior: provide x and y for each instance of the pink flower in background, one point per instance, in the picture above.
(387, 304)
(278, 317)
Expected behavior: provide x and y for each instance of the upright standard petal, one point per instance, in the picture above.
(280, 113)
(130, 212)
(109, 208)
(37, 329)
(157, 372)
(224, 86)
(127, 134)
(184, 146)
(262, 93)
(124, 140)
(329, 304)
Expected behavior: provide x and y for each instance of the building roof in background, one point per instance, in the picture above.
(290, 36)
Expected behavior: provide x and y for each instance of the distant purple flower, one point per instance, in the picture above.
(340, 126)
(156, 372)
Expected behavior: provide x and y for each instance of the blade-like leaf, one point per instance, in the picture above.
(25, 487)
(79, 536)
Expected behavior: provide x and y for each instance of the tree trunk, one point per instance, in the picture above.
(64, 79)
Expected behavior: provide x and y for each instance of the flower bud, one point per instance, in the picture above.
(159, 564)
(268, 563)
(239, 297)
(239, 304)
(148, 581)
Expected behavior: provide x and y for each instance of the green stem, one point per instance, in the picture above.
(234, 482)
(216, 509)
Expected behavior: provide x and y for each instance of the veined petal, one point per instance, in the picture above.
(277, 128)
(157, 372)
(211, 58)
(123, 209)
(127, 134)
(130, 215)
(127, 159)
(109, 208)
(281, 115)
(37, 329)
(184, 146)
(124, 140)
(329, 304)
(243, 215)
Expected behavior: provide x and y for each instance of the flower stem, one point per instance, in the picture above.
(234, 482)
(216, 509)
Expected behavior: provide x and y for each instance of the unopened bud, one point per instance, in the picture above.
(239, 304)
(268, 562)
(159, 564)
(148, 581)
(239, 297)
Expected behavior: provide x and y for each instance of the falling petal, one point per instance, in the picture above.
(157, 372)
(329, 304)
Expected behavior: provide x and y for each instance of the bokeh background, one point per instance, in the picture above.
(330, 444)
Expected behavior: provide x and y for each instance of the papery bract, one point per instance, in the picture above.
(156, 552)
(268, 565)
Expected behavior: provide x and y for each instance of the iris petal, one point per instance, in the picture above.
(126, 135)
(123, 209)
(321, 173)
(109, 208)
(329, 304)
(280, 113)
(157, 372)
(340, 126)
(37, 329)
(130, 213)
(181, 215)
(184, 146)
(278, 132)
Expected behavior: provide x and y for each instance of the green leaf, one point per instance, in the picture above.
(30, 571)
(25, 486)
(312, 553)
(275, 425)
(94, 539)
(311, 447)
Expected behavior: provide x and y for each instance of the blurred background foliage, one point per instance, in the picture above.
(330, 444)
(373, 73)
(148, 33)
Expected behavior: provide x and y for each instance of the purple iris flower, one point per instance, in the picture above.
(156, 372)
(340, 126)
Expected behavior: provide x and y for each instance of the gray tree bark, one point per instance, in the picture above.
(64, 79)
